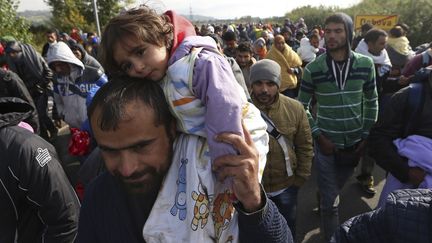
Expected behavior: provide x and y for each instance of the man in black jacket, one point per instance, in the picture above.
(37, 203)
(399, 120)
(34, 71)
(12, 86)
(406, 218)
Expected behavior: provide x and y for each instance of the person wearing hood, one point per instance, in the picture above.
(343, 84)
(73, 83)
(37, 201)
(37, 76)
(88, 60)
(11, 85)
(289, 62)
(206, 100)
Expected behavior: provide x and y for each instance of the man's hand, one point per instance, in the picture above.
(58, 123)
(405, 80)
(242, 168)
(416, 175)
(327, 147)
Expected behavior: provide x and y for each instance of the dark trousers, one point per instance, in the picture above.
(287, 205)
(46, 124)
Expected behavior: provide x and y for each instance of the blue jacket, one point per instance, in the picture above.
(107, 215)
(406, 218)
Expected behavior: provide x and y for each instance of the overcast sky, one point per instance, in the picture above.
(220, 8)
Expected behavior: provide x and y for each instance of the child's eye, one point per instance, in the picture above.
(140, 52)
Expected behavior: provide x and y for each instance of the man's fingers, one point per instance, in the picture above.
(248, 137)
(236, 172)
(235, 140)
(227, 160)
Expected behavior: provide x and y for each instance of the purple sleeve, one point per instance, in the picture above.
(214, 84)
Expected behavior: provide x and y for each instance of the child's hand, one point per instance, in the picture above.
(242, 168)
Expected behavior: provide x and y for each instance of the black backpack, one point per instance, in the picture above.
(416, 97)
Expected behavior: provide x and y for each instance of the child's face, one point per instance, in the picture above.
(140, 59)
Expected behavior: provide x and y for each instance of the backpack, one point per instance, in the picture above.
(416, 97)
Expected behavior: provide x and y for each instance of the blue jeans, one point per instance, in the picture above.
(287, 205)
(331, 178)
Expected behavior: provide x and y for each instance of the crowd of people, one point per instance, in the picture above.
(206, 134)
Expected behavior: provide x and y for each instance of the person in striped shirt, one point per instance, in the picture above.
(343, 83)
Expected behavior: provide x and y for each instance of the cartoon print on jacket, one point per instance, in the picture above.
(201, 208)
(222, 212)
(180, 199)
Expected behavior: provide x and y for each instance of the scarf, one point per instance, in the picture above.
(400, 45)
(383, 60)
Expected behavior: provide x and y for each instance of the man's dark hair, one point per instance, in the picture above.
(335, 18)
(404, 27)
(229, 36)
(396, 32)
(365, 28)
(373, 35)
(113, 97)
(244, 47)
(51, 31)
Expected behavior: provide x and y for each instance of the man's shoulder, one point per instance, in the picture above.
(290, 102)
(362, 60)
(318, 64)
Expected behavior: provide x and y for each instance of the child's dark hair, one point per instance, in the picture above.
(143, 23)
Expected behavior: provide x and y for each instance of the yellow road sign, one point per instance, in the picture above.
(385, 22)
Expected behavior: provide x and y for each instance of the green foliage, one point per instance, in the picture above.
(11, 24)
(80, 13)
(414, 13)
(312, 15)
(67, 14)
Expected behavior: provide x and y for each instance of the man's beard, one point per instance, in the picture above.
(337, 48)
(265, 98)
(151, 185)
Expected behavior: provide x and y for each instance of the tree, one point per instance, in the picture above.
(11, 24)
(66, 14)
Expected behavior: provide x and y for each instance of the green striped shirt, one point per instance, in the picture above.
(345, 115)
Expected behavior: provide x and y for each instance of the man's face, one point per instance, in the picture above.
(61, 68)
(335, 36)
(287, 35)
(265, 91)
(15, 55)
(231, 44)
(51, 37)
(141, 59)
(138, 152)
(243, 59)
(376, 47)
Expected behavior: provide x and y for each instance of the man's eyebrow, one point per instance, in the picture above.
(141, 143)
